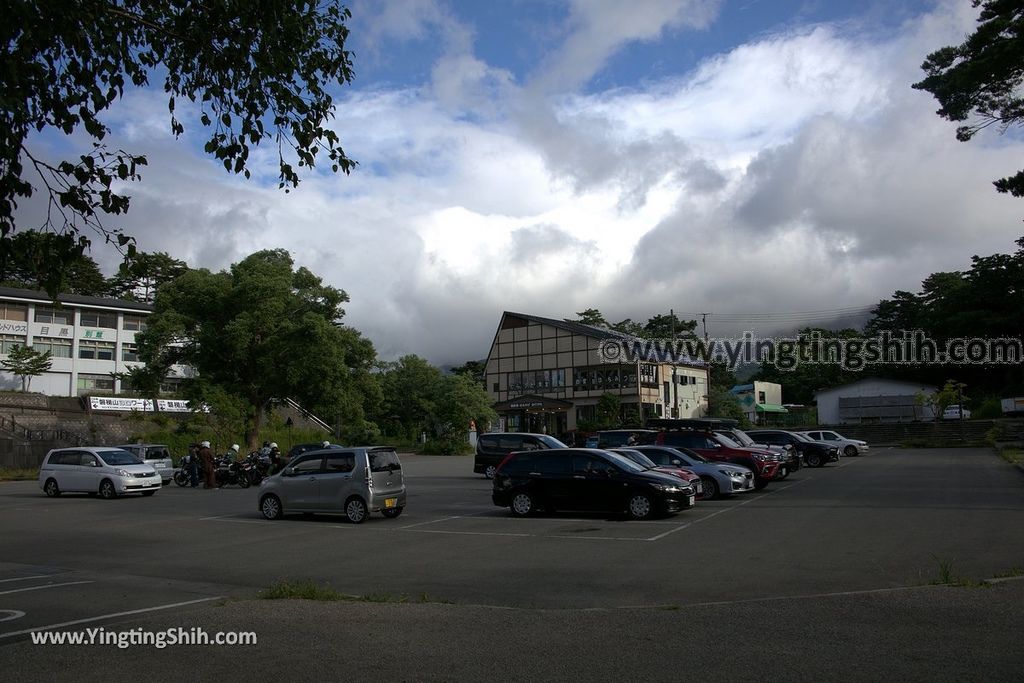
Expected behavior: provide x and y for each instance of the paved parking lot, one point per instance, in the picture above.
(874, 526)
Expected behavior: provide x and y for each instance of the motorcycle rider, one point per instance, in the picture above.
(206, 459)
(192, 464)
(276, 462)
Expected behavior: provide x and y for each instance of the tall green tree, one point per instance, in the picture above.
(669, 327)
(262, 330)
(458, 401)
(141, 275)
(981, 78)
(25, 362)
(27, 260)
(476, 369)
(410, 387)
(252, 72)
(591, 316)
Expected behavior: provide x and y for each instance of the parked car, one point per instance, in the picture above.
(848, 447)
(686, 474)
(717, 478)
(956, 413)
(349, 481)
(612, 438)
(108, 472)
(586, 479)
(156, 455)
(814, 453)
(789, 458)
(699, 435)
(492, 448)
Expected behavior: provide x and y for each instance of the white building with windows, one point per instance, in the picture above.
(90, 340)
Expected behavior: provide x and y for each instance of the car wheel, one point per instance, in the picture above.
(107, 490)
(640, 507)
(355, 510)
(710, 488)
(522, 504)
(813, 460)
(850, 451)
(148, 493)
(490, 471)
(391, 513)
(270, 506)
(51, 488)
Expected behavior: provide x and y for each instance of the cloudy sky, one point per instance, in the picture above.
(736, 157)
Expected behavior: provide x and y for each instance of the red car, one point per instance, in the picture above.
(689, 476)
(699, 435)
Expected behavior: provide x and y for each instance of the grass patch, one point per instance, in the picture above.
(941, 443)
(946, 577)
(1010, 573)
(1014, 456)
(307, 590)
(18, 474)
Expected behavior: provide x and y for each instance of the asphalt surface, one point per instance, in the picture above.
(822, 576)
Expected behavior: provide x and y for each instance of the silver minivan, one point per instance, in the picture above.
(349, 481)
(109, 472)
(156, 454)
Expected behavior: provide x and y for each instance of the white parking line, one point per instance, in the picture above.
(232, 518)
(108, 616)
(49, 585)
(472, 533)
(23, 578)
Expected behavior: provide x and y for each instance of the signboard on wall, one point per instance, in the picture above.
(118, 403)
(140, 404)
(13, 328)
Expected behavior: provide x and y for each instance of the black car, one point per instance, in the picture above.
(617, 438)
(299, 449)
(491, 448)
(586, 479)
(814, 453)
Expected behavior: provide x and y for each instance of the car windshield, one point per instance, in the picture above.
(551, 442)
(726, 441)
(118, 457)
(636, 456)
(740, 437)
(624, 462)
(802, 437)
(692, 457)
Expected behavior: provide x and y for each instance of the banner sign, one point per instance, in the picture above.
(141, 404)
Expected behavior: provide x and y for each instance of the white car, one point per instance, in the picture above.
(954, 413)
(108, 472)
(847, 447)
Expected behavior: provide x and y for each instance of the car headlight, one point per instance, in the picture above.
(124, 473)
(665, 488)
(760, 458)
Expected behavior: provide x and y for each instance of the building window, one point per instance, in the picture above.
(96, 349)
(760, 397)
(535, 382)
(135, 323)
(92, 383)
(58, 348)
(9, 341)
(170, 386)
(54, 316)
(91, 318)
(18, 312)
(649, 374)
(130, 352)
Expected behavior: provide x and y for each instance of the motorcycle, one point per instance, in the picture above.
(228, 472)
(256, 468)
(182, 476)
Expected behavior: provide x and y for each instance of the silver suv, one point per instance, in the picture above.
(350, 481)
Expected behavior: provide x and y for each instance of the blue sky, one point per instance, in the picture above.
(548, 156)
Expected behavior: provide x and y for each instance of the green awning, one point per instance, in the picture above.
(769, 408)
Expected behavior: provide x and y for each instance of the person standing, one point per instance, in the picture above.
(206, 458)
(193, 465)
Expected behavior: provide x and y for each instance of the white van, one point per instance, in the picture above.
(156, 454)
(109, 472)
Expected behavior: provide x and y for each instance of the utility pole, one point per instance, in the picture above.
(707, 362)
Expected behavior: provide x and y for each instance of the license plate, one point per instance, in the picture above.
(698, 488)
(691, 499)
(390, 502)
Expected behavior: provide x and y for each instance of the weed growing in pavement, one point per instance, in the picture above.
(307, 590)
